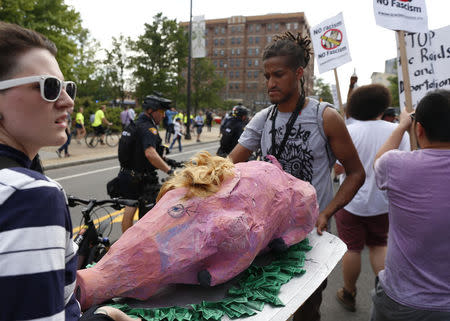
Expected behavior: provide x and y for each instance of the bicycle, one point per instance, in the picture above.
(111, 138)
(92, 244)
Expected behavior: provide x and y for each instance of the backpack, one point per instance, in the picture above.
(127, 146)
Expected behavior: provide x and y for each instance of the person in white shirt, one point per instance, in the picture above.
(364, 221)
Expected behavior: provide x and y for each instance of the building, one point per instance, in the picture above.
(235, 46)
(390, 70)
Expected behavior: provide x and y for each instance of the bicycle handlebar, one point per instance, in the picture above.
(74, 201)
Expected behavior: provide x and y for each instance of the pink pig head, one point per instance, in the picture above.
(204, 239)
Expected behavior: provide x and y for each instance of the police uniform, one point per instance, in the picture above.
(141, 180)
(231, 131)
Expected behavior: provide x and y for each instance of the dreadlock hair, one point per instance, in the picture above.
(296, 48)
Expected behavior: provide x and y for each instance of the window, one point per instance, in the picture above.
(231, 86)
(216, 42)
(238, 62)
(215, 63)
(236, 86)
(206, 31)
(255, 85)
(250, 51)
(256, 39)
(269, 26)
(221, 63)
(238, 51)
(231, 74)
(223, 30)
(257, 27)
(237, 74)
(249, 62)
(232, 41)
(269, 38)
(231, 63)
(250, 40)
(239, 29)
(276, 26)
(256, 62)
(216, 52)
(248, 85)
(222, 52)
(256, 51)
(295, 25)
(238, 40)
(233, 29)
(216, 30)
(222, 41)
(250, 28)
(256, 74)
(249, 74)
(232, 51)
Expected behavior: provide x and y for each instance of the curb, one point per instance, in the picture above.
(102, 158)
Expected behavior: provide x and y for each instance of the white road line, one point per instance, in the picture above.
(115, 167)
(86, 173)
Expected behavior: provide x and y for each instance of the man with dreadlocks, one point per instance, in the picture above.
(304, 135)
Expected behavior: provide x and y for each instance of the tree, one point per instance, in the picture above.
(159, 58)
(115, 64)
(322, 90)
(393, 88)
(54, 19)
(206, 84)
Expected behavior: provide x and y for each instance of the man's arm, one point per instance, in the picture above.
(153, 157)
(344, 150)
(106, 122)
(396, 137)
(239, 154)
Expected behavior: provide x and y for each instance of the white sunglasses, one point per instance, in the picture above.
(50, 86)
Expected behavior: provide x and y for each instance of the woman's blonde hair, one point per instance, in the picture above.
(202, 176)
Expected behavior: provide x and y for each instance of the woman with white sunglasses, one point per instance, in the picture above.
(37, 255)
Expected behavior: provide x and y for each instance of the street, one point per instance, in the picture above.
(89, 181)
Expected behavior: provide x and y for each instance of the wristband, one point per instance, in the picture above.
(170, 171)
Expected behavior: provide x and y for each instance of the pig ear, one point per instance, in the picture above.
(271, 159)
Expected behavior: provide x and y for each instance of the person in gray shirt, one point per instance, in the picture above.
(304, 135)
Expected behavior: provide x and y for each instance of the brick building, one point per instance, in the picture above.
(235, 46)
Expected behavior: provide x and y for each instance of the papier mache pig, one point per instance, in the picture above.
(212, 220)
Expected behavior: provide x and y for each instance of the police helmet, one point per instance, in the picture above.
(155, 102)
(239, 111)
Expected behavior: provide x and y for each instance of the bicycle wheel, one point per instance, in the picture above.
(112, 139)
(91, 140)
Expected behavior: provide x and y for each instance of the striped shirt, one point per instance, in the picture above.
(37, 254)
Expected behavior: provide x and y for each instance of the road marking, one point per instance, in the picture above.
(116, 217)
(86, 173)
(113, 167)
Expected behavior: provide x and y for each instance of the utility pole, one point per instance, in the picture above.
(188, 105)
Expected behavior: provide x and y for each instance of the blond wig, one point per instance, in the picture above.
(202, 176)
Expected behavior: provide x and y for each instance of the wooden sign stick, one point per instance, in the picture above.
(406, 82)
(338, 89)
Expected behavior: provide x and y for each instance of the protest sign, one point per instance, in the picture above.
(428, 63)
(407, 15)
(335, 97)
(330, 43)
(198, 37)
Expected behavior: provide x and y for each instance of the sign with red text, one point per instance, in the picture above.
(428, 63)
(407, 15)
(330, 43)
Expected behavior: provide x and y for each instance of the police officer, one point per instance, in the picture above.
(140, 155)
(232, 130)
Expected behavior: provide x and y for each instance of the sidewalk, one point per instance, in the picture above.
(81, 154)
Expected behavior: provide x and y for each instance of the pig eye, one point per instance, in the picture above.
(176, 211)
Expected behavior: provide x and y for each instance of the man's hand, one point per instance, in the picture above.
(321, 223)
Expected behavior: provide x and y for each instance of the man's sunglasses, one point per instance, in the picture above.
(50, 86)
(413, 116)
